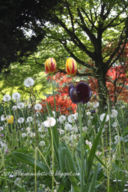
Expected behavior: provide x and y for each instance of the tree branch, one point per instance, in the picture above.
(71, 16)
(110, 23)
(74, 56)
(120, 53)
(109, 62)
(85, 28)
(76, 40)
(90, 20)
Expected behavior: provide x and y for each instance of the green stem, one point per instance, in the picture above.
(35, 170)
(53, 95)
(82, 150)
(110, 143)
(52, 146)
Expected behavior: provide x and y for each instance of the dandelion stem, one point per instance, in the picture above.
(52, 147)
(35, 170)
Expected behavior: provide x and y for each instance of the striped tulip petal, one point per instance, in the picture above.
(50, 65)
(71, 66)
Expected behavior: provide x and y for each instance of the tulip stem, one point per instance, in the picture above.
(82, 150)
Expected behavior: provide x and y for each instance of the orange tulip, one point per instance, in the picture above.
(71, 66)
(50, 65)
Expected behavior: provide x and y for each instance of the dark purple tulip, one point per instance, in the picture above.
(80, 93)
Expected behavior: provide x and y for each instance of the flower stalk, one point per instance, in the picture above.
(81, 149)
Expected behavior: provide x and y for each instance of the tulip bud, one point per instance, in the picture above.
(10, 119)
(50, 65)
(71, 66)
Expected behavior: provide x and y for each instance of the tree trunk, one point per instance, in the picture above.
(102, 92)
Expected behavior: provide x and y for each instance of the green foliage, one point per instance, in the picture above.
(14, 80)
(21, 23)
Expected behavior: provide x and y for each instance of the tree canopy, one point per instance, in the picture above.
(17, 18)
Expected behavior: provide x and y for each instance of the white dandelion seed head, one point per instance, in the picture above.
(20, 105)
(89, 104)
(68, 127)
(61, 119)
(75, 128)
(6, 98)
(61, 131)
(11, 176)
(50, 122)
(42, 143)
(14, 107)
(42, 136)
(95, 105)
(85, 128)
(3, 146)
(38, 107)
(40, 129)
(16, 96)
(102, 116)
(3, 118)
(114, 113)
(32, 134)
(20, 120)
(72, 137)
(1, 128)
(29, 119)
(115, 124)
(88, 113)
(29, 82)
(23, 135)
(28, 129)
(71, 118)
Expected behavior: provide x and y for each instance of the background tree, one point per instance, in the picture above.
(16, 19)
(87, 28)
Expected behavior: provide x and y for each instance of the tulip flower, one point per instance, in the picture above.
(81, 93)
(10, 119)
(71, 66)
(50, 65)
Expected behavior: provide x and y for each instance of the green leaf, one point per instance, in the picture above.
(67, 164)
(94, 148)
(75, 188)
(29, 160)
(61, 188)
(93, 181)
